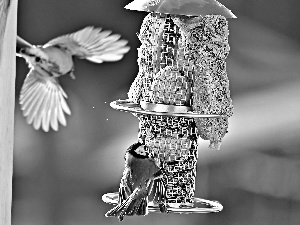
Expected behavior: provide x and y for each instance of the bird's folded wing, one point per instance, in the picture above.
(43, 101)
(93, 44)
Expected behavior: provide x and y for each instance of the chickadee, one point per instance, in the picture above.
(42, 98)
(136, 183)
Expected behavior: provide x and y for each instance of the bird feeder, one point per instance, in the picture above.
(181, 92)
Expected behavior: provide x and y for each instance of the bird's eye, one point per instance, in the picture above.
(37, 59)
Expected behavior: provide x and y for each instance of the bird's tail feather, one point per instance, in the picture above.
(131, 206)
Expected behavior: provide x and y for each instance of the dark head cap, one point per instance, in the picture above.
(133, 150)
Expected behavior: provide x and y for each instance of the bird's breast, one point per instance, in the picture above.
(60, 61)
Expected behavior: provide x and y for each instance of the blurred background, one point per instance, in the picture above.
(60, 177)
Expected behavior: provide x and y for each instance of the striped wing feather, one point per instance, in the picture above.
(93, 44)
(43, 101)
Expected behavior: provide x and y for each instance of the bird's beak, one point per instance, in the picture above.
(21, 44)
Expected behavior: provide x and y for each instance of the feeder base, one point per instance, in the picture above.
(212, 206)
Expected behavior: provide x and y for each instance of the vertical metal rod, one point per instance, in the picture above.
(8, 33)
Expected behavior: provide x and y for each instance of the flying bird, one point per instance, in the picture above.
(136, 183)
(42, 99)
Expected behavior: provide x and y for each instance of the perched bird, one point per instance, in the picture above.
(42, 98)
(136, 183)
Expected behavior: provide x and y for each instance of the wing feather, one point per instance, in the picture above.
(46, 117)
(30, 99)
(93, 44)
(60, 116)
(54, 118)
(43, 101)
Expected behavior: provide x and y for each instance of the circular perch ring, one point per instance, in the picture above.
(128, 106)
(213, 206)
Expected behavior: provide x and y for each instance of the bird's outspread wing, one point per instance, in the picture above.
(93, 44)
(43, 101)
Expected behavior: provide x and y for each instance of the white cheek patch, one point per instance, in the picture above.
(141, 150)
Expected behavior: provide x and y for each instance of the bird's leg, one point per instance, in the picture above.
(158, 175)
(72, 75)
(159, 195)
(160, 198)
